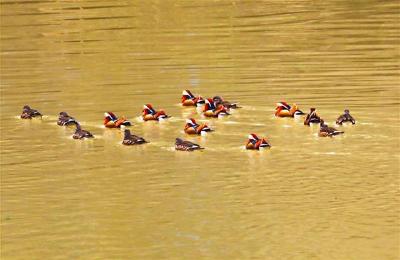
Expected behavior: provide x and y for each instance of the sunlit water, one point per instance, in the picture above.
(306, 198)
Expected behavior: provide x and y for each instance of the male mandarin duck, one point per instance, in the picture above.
(80, 134)
(65, 120)
(346, 117)
(325, 130)
(188, 99)
(255, 143)
(312, 117)
(283, 109)
(192, 127)
(130, 139)
(212, 110)
(112, 121)
(219, 101)
(29, 113)
(182, 145)
(149, 113)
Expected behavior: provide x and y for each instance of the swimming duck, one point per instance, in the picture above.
(80, 134)
(188, 99)
(312, 117)
(130, 139)
(149, 113)
(112, 121)
(346, 117)
(283, 109)
(65, 120)
(192, 127)
(182, 145)
(325, 130)
(29, 113)
(255, 143)
(219, 101)
(212, 110)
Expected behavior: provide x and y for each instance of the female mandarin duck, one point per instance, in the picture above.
(80, 134)
(188, 99)
(130, 139)
(325, 130)
(283, 109)
(346, 117)
(312, 117)
(112, 121)
(228, 105)
(193, 128)
(255, 143)
(66, 120)
(182, 145)
(149, 113)
(212, 110)
(29, 113)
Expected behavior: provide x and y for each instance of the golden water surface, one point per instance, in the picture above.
(305, 198)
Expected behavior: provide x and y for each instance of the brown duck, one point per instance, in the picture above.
(65, 120)
(325, 130)
(80, 134)
(29, 113)
(130, 139)
(219, 101)
(312, 117)
(182, 145)
(346, 117)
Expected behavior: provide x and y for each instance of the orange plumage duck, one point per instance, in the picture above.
(112, 121)
(255, 143)
(188, 99)
(213, 110)
(283, 109)
(149, 113)
(193, 128)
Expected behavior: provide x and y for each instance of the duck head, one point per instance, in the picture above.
(217, 99)
(26, 108)
(346, 111)
(127, 133)
(282, 105)
(191, 122)
(253, 138)
(210, 105)
(63, 114)
(110, 116)
(186, 94)
(148, 109)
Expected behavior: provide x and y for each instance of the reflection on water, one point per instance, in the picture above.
(306, 198)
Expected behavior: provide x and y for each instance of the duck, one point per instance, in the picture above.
(312, 117)
(80, 134)
(192, 127)
(283, 109)
(255, 143)
(228, 105)
(188, 99)
(346, 117)
(212, 110)
(66, 120)
(29, 113)
(130, 139)
(149, 113)
(325, 130)
(182, 145)
(112, 121)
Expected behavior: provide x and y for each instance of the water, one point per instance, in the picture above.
(306, 198)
